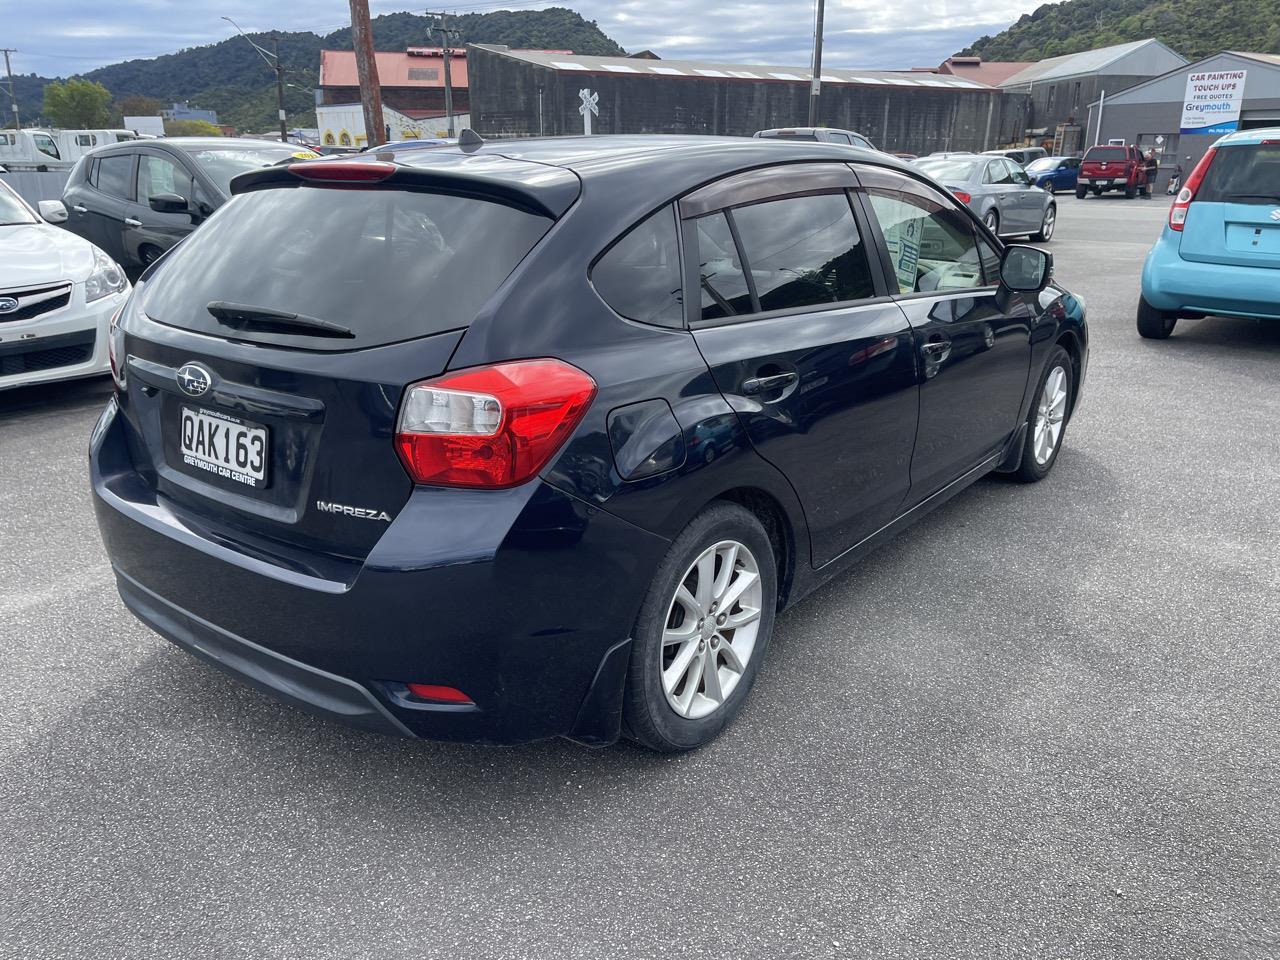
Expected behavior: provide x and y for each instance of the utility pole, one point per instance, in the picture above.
(367, 70)
(275, 65)
(284, 133)
(13, 100)
(815, 85)
(446, 37)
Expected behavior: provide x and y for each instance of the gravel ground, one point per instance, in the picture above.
(1041, 723)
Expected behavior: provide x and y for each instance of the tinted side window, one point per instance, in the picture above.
(724, 286)
(804, 251)
(840, 138)
(932, 245)
(998, 172)
(640, 274)
(44, 143)
(158, 175)
(114, 174)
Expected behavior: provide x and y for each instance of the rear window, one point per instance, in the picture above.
(1107, 153)
(222, 164)
(388, 265)
(959, 171)
(1248, 173)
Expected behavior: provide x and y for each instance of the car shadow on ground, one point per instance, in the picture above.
(1225, 334)
(56, 397)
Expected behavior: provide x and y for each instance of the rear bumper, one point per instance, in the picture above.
(523, 599)
(1175, 285)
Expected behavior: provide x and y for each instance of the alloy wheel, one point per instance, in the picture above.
(1050, 221)
(711, 629)
(992, 221)
(1050, 414)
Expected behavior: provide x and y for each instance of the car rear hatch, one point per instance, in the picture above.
(1234, 216)
(267, 355)
(1105, 163)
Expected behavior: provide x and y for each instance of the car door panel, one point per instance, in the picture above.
(972, 337)
(158, 173)
(826, 391)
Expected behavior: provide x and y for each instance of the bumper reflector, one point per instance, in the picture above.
(437, 693)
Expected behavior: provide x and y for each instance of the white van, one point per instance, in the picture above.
(31, 149)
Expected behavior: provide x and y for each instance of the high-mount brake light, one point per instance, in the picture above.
(1178, 212)
(493, 426)
(343, 171)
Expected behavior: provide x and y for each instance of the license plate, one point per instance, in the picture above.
(224, 446)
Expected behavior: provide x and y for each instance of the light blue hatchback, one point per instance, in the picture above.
(1219, 253)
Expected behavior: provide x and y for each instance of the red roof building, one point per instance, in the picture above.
(412, 82)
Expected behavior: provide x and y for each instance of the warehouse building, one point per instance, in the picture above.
(1180, 115)
(1058, 91)
(529, 93)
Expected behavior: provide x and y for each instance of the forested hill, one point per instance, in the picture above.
(231, 78)
(1194, 28)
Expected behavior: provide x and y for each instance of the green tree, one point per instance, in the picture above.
(191, 128)
(77, 104)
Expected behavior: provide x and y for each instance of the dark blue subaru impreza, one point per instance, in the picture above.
(496, 442)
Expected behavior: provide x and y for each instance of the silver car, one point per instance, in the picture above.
(997, 190)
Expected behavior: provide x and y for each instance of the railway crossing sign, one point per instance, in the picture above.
(588, 108)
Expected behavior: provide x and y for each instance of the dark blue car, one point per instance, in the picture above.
(503, 442)
(1054, 173)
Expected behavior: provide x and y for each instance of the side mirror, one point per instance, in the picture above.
(52, 211)
(169, 203)
(1025, 269)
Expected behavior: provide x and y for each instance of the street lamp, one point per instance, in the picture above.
(276, 66)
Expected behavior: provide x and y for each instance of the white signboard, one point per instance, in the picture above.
(588, 109)
(152, 125)
(1212, 102)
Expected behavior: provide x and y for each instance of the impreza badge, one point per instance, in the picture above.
(360, 513)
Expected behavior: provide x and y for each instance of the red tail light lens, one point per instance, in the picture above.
(1178, 212)
(343, 171)
(490, 426)
(438, 693)
(962, 196)
(115, 348)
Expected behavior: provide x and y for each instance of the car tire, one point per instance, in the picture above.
(1047, 224)
(1154, 324)
(1048, 417)
(1130, 191)
(1049, 188)
(660, 709)
(1080, 192)
(992, 219)
(1097, 191)
(148, 254)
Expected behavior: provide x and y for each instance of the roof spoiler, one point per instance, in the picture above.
(536, 187)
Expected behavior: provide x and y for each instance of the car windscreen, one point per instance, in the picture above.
(1243, 173)
(222, 163)
(1043, 165)
(1107, 154)
(12, 210)
(385, 264)
(955, 171)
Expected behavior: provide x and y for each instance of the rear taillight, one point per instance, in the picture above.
(962, 196)
(1178, 212)
(115, 348)
(490, 426)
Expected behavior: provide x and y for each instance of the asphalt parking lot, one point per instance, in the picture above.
(1042, 723)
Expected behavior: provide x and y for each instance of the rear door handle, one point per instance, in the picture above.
(131, 222)
(936, 351)
(776, 381)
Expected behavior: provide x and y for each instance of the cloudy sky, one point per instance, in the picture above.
(61, 37)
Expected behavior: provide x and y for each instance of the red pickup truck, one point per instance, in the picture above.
(1112, 168)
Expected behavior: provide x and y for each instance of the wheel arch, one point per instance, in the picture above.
(1070, 341)
(777, 524)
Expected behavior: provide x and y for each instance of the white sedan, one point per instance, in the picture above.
(58, 293)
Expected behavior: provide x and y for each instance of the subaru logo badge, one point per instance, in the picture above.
(8, 304)
(194, 379)
(1275, 215)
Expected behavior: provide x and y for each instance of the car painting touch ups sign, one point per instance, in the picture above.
(1211, 104)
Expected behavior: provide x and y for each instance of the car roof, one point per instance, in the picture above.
(761, 133)
(1247, 137)
(608, 156)
(188, 143)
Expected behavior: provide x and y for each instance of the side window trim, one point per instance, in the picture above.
(766, 183)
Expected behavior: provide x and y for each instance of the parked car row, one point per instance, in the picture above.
(998, 191)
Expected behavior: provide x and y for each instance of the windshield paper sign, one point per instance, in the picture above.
(1211, 104)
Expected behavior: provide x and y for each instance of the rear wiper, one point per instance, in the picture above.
(242, 315)
(1254, 196)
